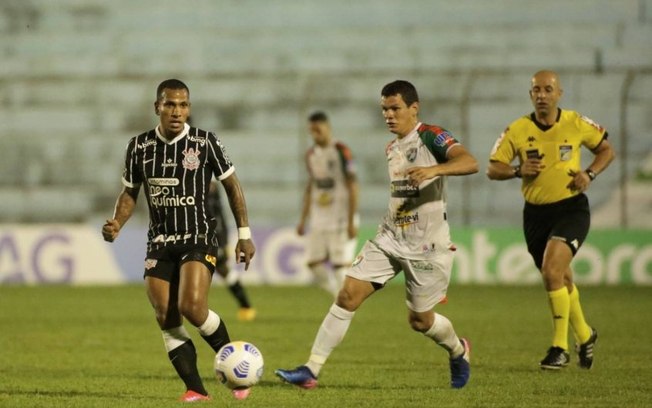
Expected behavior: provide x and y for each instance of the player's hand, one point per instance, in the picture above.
(532, 167)
(110, 230)
(352, 231)
(301, 229)
(580, 181)
(418, 174)
(244, 251)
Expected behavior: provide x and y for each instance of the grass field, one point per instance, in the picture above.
(100, 347)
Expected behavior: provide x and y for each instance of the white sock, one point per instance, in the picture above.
(175, 337)
(210, 325)
(325, 279)
(442, 333)
(340, 274)
(330, 335)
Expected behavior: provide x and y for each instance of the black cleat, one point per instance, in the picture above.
(585, 351)
(557, 358)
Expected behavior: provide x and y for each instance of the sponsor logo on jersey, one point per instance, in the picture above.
(143, 145)
(162, 181)
(421, 265)
(411, 154)
(565, 152)
(190, 159)
(198, 139)
(531, 139)
(163, 196)
(444, 139)
(150, 263)
(403, 219)
(169, 163)
(403, 189)
(592, 123)
(171, 238)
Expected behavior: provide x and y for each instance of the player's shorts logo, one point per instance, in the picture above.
(190, 159)
(150, 263)
(357, 260)
(211, 259)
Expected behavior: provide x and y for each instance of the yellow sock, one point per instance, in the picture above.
(581, 329)
(560, 308)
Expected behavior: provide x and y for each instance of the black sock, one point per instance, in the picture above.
(239, 293)
(184, 360)
(219, 338)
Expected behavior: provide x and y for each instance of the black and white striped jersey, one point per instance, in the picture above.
(176, 176)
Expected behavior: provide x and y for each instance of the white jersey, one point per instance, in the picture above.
(329, 168)
(415, 224)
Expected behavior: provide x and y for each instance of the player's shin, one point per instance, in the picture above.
(183, 357)
(213, 330)
(576, 317)
(330, 335)
(442, 333)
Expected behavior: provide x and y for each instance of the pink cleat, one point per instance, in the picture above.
(241, 393)
(193, 396)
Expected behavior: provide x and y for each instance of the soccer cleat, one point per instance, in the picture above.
(585, 351)
(461, 366)
(557, 358)
(193, 396)
(241, 393)
(300, 376)
(246, 314)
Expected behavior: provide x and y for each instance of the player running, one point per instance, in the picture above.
(175, 163)
(331, 202)
(413, 238)
(556, 216)
(246, 312)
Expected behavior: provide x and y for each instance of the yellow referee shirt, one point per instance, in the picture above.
(558, 146)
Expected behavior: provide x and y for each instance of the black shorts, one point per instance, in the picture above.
(165, 262)
(566, 220)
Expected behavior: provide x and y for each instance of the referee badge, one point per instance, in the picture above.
(190, 159)
(565, 152)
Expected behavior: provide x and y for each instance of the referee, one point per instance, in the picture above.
(556, 217)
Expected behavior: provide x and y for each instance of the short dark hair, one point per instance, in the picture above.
(403, 88)
(170, 84)
(318, 116)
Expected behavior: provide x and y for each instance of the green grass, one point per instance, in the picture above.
(100, 347)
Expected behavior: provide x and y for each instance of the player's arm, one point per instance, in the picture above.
(305, 208)
(124, 207)
(353, 190)
(459, 162)
(604, 155)
(244, 249)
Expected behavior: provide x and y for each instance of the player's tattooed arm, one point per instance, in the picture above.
(124, 207)
(244, 249)
(459, 163)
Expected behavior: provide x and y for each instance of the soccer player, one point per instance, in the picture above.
(175, 164)
(246, 312)
(413, 238)
(330, 201)
(547, 144)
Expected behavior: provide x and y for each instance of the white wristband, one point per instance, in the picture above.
(244, 233)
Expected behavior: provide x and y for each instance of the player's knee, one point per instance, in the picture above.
(193, 310)
(347, 300)
(419, 323)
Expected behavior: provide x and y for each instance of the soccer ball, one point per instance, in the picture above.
(239, 365)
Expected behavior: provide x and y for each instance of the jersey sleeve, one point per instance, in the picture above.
(131, 175)
(504, 150)
(346, 158)
(222, 166)
(592, 133)
(439, 142)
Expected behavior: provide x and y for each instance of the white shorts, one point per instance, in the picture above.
(426, 280)
(335, 246)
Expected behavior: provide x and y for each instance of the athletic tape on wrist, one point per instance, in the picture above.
(244, 233)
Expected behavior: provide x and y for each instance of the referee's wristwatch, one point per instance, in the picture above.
(591, 174)
(517, 171)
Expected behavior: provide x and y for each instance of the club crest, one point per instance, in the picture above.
(411, 154)
(190, 159)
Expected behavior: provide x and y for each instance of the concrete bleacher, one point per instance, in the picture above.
(77, 80)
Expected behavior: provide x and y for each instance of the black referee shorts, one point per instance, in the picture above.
(566, 220)
(164, 262)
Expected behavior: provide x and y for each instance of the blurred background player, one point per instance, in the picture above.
(214, 203)
(331, 202)
(175, 163)
(414, 238)
(556, 216)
